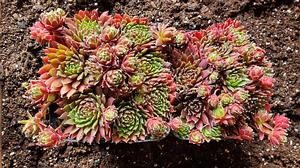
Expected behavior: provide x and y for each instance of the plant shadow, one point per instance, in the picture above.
(171, 153)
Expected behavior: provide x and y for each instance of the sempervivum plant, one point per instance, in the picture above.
(105, 75)
(224, 84)
(157, 128)
(88, 117)
(48, 29)
(130, 124)
(39, 92)
(68, 71)
(156, 96)
(50, 137)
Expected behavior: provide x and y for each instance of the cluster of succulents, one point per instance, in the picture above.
(224, 85)
(106, 75)
(123, 79)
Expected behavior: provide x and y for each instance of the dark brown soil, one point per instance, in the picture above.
(274, 25)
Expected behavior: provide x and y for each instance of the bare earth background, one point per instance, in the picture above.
(273, 25)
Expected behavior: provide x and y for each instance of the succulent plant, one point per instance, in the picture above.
(54, 19)
(245, 133)
(137, 34)
(193, 110)
(49, 137)
(187, 72)
(32, 126)
(40, 34)
(228, 81)
(84, 30)
(156, 95)
(157, 128)
(130, 124)
(39, 92)
(274, 127)
(180, 128)
(110, 114)
(158, 100)
(122, 56)
(196, 137)
(150, 64)
(213, 133)
(146, 62)
(114, 80)
(86, 118)
(48, 29)
(105, 56)
(164, 34)
(266, 82)
(68, 71)
(236, 79)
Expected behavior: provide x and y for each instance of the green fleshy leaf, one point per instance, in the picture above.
(69, 122)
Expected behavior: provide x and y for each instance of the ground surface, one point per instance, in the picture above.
(275, 26)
